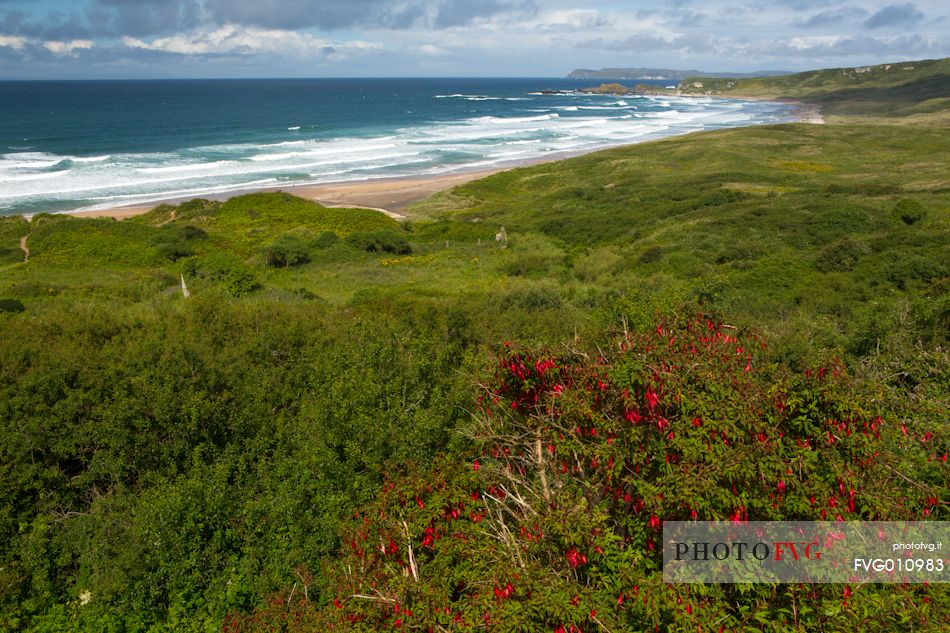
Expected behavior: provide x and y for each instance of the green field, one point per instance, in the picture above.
(173, 463)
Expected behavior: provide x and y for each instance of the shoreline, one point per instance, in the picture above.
(386, 195)
(394, 194)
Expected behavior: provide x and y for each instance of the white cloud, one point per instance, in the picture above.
(12, 42)
(236, 40)
(429, 49)
(573, 19)
(68, 48)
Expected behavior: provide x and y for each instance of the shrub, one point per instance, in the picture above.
(554, 523)
(599, 263)
(193, 233)
(11, 305)
(285, 251)
(909, 211)
(532, 255)
(840, 256)
(224, 269)
(651, 255)
(175, 250)
(326, 239)
(380, 242)
(531, 296)
(721, 197)
(173, 242)
(913, 269)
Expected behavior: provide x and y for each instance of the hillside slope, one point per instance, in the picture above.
(905, 92)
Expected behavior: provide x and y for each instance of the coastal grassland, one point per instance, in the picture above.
(773, 221)
(168, 461)
(905, 93)
(11, 230)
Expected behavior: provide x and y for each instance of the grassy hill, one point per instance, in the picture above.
(174, 463)
(903, 92)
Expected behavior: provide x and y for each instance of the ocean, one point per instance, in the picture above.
(67, 146)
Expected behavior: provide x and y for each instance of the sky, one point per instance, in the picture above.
(53, 39)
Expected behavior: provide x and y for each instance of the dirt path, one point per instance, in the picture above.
(392, 214)
(25, 248)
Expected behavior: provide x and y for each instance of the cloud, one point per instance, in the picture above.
(68, 48)
(461, 12)
(730, 48)
(295, 14)
(14, 42)
(56, 25)
(805, 5)
(837, 17)
(146, 18)
(237, 40)
(895, 15)
(569, 20)
(857, 46)
(341, 14)
(143, 17)
(643, 43)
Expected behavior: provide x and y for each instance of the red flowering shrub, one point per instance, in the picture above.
(554, 525)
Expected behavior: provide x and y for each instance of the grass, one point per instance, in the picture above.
(752, 208)
(11, 230)
(906, 92)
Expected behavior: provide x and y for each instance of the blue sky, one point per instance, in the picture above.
(374, 38)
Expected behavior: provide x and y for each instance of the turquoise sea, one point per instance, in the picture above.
(98, 144)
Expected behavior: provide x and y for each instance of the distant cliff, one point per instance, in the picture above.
(660, 74)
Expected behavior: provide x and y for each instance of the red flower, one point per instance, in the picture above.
(575, 558)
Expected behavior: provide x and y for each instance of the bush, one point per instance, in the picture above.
(599, 263)
(286, 251)
(175, 250)
(532, 255)
(380, 242)
(651, 255)
(909, 211)
(224, 269)
(840, 256)
(554, 522)
(11, 305)
(173, 242)
(721, 197)
(193, 233)
(915, 269)
(531, 296)
(324, 240)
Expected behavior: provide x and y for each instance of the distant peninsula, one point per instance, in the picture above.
(662, 74)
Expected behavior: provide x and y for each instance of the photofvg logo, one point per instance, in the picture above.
(719, 552)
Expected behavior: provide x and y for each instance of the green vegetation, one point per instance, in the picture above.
(555, 523)
(11, 230)
(904, 92)
(177, 463)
